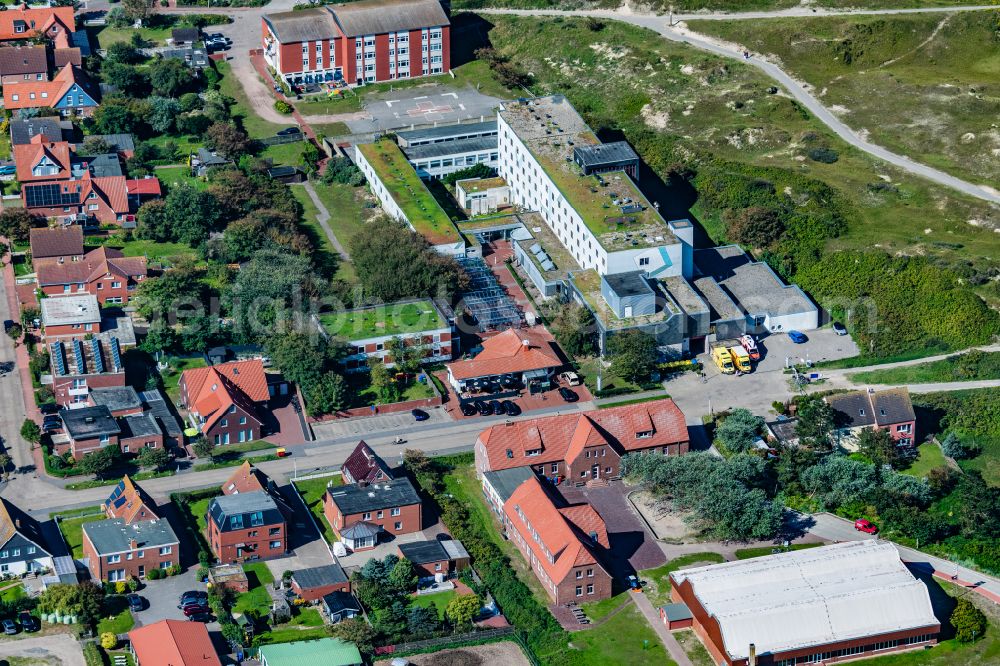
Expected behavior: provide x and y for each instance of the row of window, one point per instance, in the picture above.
(139, 554)
(244, 436)
(445, 163)
(16, 552)
(116, 575)
(852, 651)
(579, 590)
(381, 514)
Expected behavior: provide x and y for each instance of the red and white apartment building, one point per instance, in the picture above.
(357, 43)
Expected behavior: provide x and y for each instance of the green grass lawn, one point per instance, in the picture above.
(254, 125)
(330, 129)
(307, 617)
(289, 154)
(388, 320)
(929, 456)
(179, 175)
(626, 638)
(72, 531)
(696, 652)
(106, 36)
(312, 491)
(199, 509)
(325, 106)
(439, 599)
(120, 620)
(598, 610)
(962, 367)
(291, 634)
(172, 376)
(12, 592)
(152, 250)
(750, 553)
(657, 581)
(256, 597)
(22, 265)
(325, 254)
(347, 211)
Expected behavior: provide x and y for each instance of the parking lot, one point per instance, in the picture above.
(162, 597)
(382, 423)
(422, 105)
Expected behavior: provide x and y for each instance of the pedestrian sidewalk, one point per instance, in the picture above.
(674, 648)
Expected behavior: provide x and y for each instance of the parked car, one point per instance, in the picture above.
(797, 337)
(568, 395)
(218, 36)
(205, 617)
(634, 585)
(135, 602)
(419, 415)
(288, 131)
(509, 382)
(468, 409)
(569, 378)
(483, 407)
(9, 627)
(195, 610)
(193, 596)
(865, 526)
(497, 407)
(48, 408)
(29, 623)
(8, 170)
(510, 407)
(48, 425)
(839, 328)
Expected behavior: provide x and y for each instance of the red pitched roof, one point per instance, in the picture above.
(144, 186)
(109, 189)
(246, 479)
(28, 155)
(31, 94)
(95, 264)
(130, 503)
(563, 437)
(364, 465)
(173, 643)
(512, 351)
(561, 544)
(37, 20)
(212, 390)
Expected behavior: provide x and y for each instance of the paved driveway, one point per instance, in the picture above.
(423, 105)
(307, 548)
(401, 422)
(61, 648)
(162, 597)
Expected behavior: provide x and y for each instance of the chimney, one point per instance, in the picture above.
(17, 523)
(526, 343)
(752, 661)
(133, 544)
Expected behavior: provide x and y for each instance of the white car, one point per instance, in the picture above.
(570, 378)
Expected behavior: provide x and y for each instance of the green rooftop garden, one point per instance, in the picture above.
(482, 184)
(422, 211)
(588, 283)
(384, 320)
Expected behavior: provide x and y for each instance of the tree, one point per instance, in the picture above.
(126, 78)
(157, 457)
(163, 111)
(5, 462)
(330, 394)
(31, 432)
(171, 77)
(138, 10)
(186, 215)
(14, 332)
(385, 385)
(122, 52)
(953, 447)
(816, 422)
(633, 355)
(738, 430)
(357, 631)
(108, 640)
(879, 447)
(416, 461)
(160, 337)
(969, 621)
(97, 145)
(402, 577)
(755, 226)
(204, 448)
(406, 354)
(227, 139)
(574, 328)
(463, 609)
(422, 620)
(478, 170)
(100, 462)
(274, 293)
(16, 223)
(83, 600)
(116, 116)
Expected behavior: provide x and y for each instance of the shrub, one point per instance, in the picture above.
(92, 655)
(823, 155)
(30, 431)
(173, 570)
(120, 587)
(969, 621)
(108, 640)
(282, 106)
(153, 574)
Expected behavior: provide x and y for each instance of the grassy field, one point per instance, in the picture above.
(626, 638)
(152, 250)
(675, 102)
(598, 610)
(256, 597)
(696, 652)
(325, 254)
(119, 618)
(172, 377)
(255, 126)
(929, 457)
(289, 154)
(942, 73)
(72, 530)
(363, 395)
(972, 416)
(199, 509)
(312, 491)
(348, 215)
(964, 367)
(439, 599)
(658, 580)
(379, 321)
(180, 175)
(12, 592)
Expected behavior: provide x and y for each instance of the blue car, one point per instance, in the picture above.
(797, 337)
(8, 170)
(419, 414)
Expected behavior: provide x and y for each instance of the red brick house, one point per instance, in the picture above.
(173, 643)
(84, 200)
(56, 245)
(116, 551)
(437, 559)
(583, 446)
(359, 42)
(43, 159)
(23, 63)
(245, 527)
(365, 466)
(92, 428)
(316, 582)
(824, 605)
(104, 272)
(889, 410)
(22, 23)
(360, 514)
(225, 400)
(561, 545)
(130, 503)
(70, 91)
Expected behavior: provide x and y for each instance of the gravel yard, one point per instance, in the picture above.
(505, 653)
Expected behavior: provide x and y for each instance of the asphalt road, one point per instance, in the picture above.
(681, 34)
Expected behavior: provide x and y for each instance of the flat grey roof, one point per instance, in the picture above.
(752, 284)
(422, 552)
(353, 499)
(329, 574)
(120, 142)
(506, 481)
(675, 612)
(116, 398)
(684, 294)
(445, 132)
(476, 144)
(114, 536)
(139, 425)
(89, 422)
(159, 408)
(63, 310)
(784, 430)
(721, 306)
(628, 284)
(604, 153)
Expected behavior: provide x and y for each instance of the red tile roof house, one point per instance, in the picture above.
(584, 446)
(365, 466)
(86, 200)
(173, 643)
(130, 502)
(70, 92)
(246, 527)
(21, 23)
(561, 544)
(104, 272)
(116, 551)
(57, 245)
(225, 400)
(522, 352)
(360, 514)
(889, 410)
(23, 63)
(43, 159)
(247, 479)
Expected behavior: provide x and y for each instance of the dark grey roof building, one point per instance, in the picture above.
(89, 422)
(116, 398)
(122, 143)
(22, 131)
(505, 481)
(354, 500)
(185, 35)
(22, 546)
(255, 508)
(165, 416)
(447, 133)
(315, 577)
(139, 425)
(115, 535)
(341, 606)
(603, 157)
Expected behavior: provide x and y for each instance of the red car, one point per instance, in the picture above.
(865, 526)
